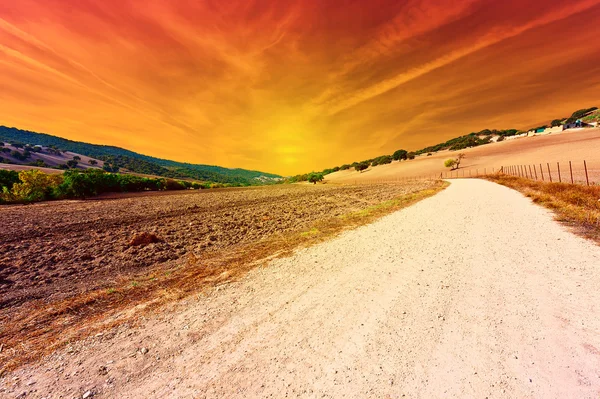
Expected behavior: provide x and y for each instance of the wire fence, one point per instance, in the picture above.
(572, 172)
(578, 172)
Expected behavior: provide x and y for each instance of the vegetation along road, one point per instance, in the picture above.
(474, 292)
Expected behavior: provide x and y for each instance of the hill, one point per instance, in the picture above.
(140, 163)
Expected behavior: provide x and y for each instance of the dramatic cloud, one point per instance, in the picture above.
(292, 86)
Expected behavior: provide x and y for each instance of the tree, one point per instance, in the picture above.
(315, 177)
(93, 162)
(110, 167)
(454, 163)
(77, 158)
(450, 163)
(362, 166)
(72, 163)
(557, 122)
(400, 155)
(35, 186)
(411, 155)
(459, 158)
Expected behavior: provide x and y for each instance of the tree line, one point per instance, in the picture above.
(35, 185)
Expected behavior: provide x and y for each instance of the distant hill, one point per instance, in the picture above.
(140, 163)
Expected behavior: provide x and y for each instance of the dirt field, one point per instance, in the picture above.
(472, 293)
(574, 146)
(55, 251)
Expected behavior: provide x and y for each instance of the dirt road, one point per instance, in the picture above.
(472, 293)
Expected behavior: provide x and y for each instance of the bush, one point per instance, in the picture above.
(382, 160)
(500, 138)
(400, 155)
(8, 178)
(411, 155)
(34, 186)
(171, 184)
(359, 167)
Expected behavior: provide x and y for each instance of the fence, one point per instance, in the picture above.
(578, 172)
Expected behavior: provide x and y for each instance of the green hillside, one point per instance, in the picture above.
(137, 162)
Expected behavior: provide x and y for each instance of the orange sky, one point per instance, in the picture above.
(296, 85)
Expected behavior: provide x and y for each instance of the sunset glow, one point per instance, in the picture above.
(292, 86)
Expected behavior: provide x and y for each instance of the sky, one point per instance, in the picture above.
(292, 86)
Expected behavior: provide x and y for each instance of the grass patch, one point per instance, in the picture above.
(311, 232)
(575, 205)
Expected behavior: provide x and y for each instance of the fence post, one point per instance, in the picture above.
(534, 171)
(542, 172)
(549, 174)
(526, 175)
(571, 169)
(586, 175)
(558, 166)
(530, 174)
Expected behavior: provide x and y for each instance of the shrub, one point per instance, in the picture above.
(8, 178)
(382, 160)
(38, 163)
(500, 138)
(35, 186)
(400, 155)
(411, 155)
(359, 167)
(171, 184)
(93, 162)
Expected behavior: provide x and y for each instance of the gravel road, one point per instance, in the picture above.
(473, 293)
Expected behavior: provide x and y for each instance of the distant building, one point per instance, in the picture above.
(576, 125)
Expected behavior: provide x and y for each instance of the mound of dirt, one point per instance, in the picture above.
(143, 239)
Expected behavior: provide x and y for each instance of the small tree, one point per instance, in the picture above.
(454, 163)
(93, 162)
(315, 177)
(450, 163)
(411, 155)
(77, 158)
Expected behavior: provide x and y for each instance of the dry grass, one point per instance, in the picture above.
(43, 329)
(575, 205)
